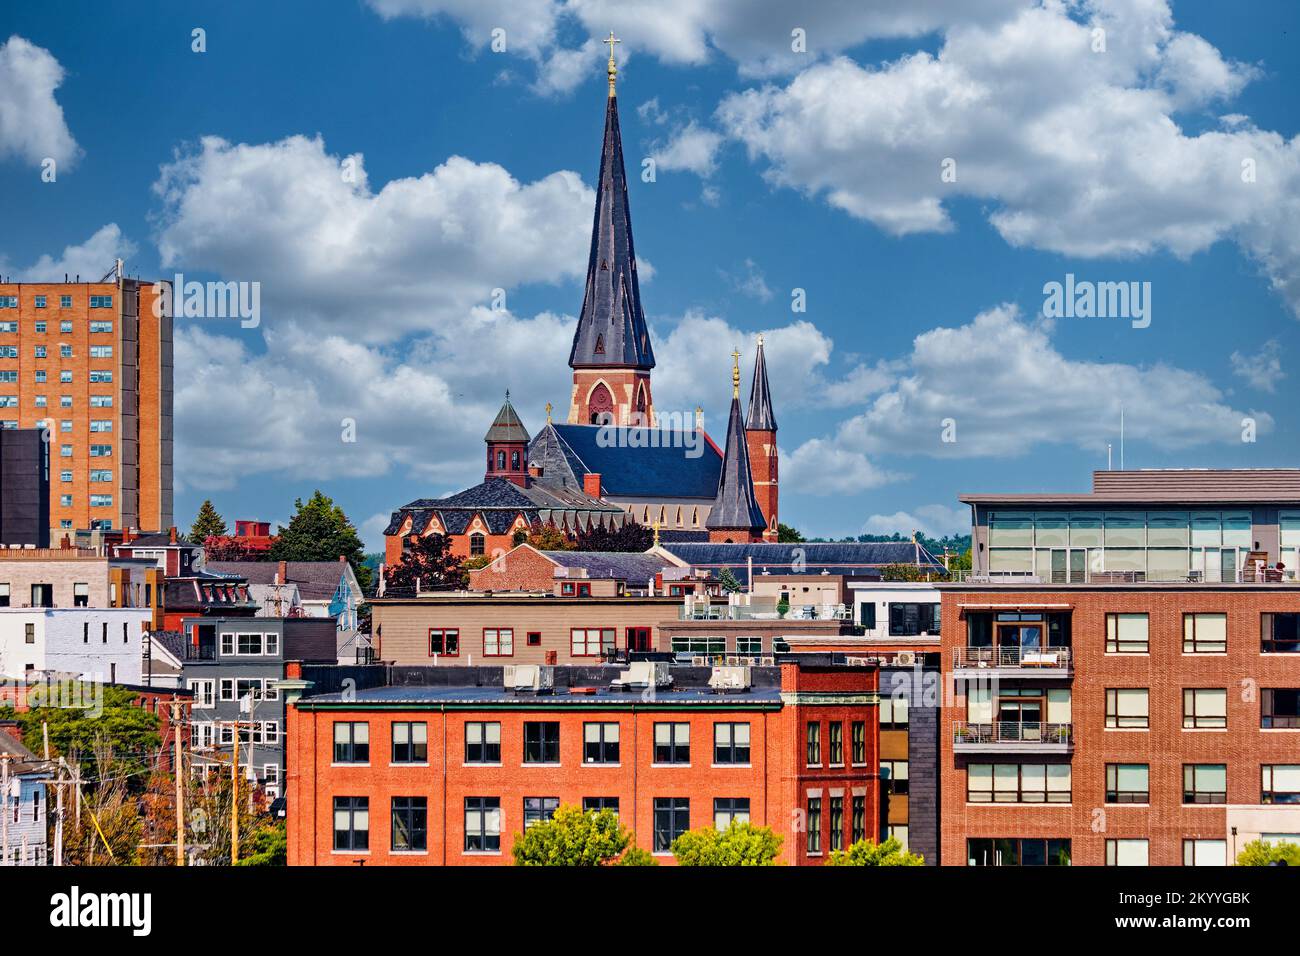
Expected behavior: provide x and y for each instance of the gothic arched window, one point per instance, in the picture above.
(514, 461)
(477, 544)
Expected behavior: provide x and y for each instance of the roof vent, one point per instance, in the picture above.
(528, 678)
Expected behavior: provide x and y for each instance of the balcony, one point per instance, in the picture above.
(1016, 661)
(200, 652)
(1012, 737)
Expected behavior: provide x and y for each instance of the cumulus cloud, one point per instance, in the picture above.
(933, 521)
(1072, 149)
(90, 259)
(335, 255)
(1263, 370)
(32, 127)
(692, 148)
(750, 283)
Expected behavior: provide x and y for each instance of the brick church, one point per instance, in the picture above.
(613, 460)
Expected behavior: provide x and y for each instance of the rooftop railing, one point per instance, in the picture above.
(1244, 576)
(741, 612)
(1028, 658)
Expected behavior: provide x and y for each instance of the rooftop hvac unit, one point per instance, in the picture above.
(905, 659)
(644, 674)
(528, 677)
(730, 678)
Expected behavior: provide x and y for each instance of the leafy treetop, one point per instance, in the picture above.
(320, 531)
(741, 844)
(207, 523)
(870, 853)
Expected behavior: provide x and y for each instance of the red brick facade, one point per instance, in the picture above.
(623, 393)
(778, 781)
(762, 465)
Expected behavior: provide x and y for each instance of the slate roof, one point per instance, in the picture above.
(500, 501)
(735, 506)
(847, 557)
(316, 580)
(623, 566)
(611, 326)
(761, 417)
(631, 462)
(506, 426)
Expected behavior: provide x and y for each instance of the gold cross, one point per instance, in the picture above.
(735, 374)
(548, 413)
(613, 70)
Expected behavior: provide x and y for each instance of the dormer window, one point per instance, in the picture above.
(501, 461)
(600, 345)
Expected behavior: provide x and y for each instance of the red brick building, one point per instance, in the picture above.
(450, 774)
(1118, 724)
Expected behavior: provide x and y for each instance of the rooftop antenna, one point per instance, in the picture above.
(1108, 467)
(1121, 438)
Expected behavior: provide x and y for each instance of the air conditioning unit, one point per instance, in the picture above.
(730, 677)
(528, 677)
(905, 659)
(644, 674)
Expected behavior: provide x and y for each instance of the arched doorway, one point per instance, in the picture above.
(600, 406)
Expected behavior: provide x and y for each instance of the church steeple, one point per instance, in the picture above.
(611, 355)
(760, 436)
(735, 515)
(760, 416)
(507, 446)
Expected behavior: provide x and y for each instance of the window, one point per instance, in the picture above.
(672, 743)
(589, 641)
(600, 743)
(1205, 708)
(912, 620)
(8, 351)
(101, 501)
(893, 777)
(1205, 633)
(65, 501)
(814, 825)
(97, 375)
(483, 743)
(1127, 634)
(1205, 853)
(1018, 783)
(4, 595)
(539, 809)
(837, 823)
(40, 327)
(39, 351)
(101, 301)
(1016, 852)
(672, 819)
(729, 810)
(731, 744)
(1128, 708)
(101, 351)
(1205, 783)
(8, 301)
(534, 638)
(101, 326)
(477, 544)
(65, 351)
(498, 641)
(40, 375)
(814, 744)
(352, 823)
(444, 642)
(351, 742)
(858, 743)
(12, 376)
(101, 401)
(858, 820)
(410, 742)
(482, 825)
(1280, 709)
(41, 401)
(65, 302)
(597, 804)
(101, 424)
(1280, 633)
(101, 474)
(410, 824)
(1126, 852)
(1128, 783)
(29, 633)
(1280, 783)
(40, 302)
(893, 713)
(542, 742)
(867, 615)
(835, 742)
(99, 451)
(80, 594)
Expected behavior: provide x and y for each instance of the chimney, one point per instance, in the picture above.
(534, 471)
(171, 534)
(342, 558)
(282, 575)
(13, 729)
(591, 484)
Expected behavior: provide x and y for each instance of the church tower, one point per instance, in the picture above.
(507, 447)
(611, 356)
(760, 436)
(735, 515)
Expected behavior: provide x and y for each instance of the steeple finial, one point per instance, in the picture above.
(613, 70)
(735, 373)
(548, 413)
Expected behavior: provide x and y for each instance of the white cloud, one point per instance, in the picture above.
(416, 255)
(692, 148)
(934, 521)
(1263, 370)
(1072, 150)
(32, 127)
(90, 259)
(529, 25)
(752, 283)
(823, 467)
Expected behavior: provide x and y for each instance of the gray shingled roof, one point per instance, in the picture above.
(499, 502)
(316, 580)
(632, 462)
(506, 426)
(623, 566)
(611, 326)
(735, 507)
(760, 417)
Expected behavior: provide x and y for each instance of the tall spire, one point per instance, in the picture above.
(611, 329)
(760, 418)
(735, 508)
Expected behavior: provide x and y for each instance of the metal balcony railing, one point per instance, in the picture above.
(1268, 575)
(1013, 732)
(1028, 658)
(741, 612)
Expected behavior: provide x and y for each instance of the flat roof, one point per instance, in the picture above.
(1170, 486)
(602, 696)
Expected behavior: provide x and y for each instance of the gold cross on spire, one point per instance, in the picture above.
(735, 373)
(613, 70)
(548, 413)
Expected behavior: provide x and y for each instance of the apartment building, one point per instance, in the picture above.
(98, 644)
(77, 577)
(92, 363)
(451, 765)
(232, 666)
(24, 799)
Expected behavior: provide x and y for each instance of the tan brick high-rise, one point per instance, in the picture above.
(93, 363)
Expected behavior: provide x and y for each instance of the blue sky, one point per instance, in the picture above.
(775, 170)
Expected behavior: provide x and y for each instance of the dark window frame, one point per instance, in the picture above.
(541, 742)
(410, 815)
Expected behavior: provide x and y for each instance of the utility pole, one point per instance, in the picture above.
(234, 797)
(179, 772)
(4, 788)
(45, 733)
(58, 817)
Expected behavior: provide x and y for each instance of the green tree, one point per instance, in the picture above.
(635, 856)
(320, 531)
(545, 537)
(630, 537)
(108, 830)
(574, 837)
(207, 523)
(728, 581)
(1264, 853)
(870, 853)
(268, 847)
(741, 844)
(427, 560)
(902, 572)
(787, 535)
